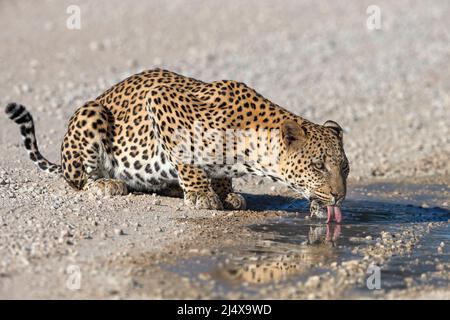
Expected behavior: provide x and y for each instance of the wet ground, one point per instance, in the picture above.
(401, 229)
(395, 237)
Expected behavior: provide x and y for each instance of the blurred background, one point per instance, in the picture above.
(389, 87)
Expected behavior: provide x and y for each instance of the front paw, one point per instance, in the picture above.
(203, 200)
(107, 187)
(234, 201)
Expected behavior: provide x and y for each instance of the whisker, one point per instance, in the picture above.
(291, 203)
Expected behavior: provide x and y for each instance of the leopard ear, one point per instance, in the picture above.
(292, 133)
(335, 127)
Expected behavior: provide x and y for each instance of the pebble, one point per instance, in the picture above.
(25, 88)
(56, 205)
(312, 282)
(409, 281)
(119, 232)
(178, 232)
(204, 276)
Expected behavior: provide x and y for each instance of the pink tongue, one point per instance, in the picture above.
(337, 214)
(329, 213)
(334, 211)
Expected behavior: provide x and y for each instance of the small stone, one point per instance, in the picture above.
(178, 232)
(119, 232)
(206, 252)
(204, 276)
(409, 281)
(312, 282)
(25, 88)
(56, 205)
(65, 233)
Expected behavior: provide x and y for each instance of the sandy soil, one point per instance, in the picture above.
(389, 89)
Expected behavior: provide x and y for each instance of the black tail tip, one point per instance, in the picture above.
(17, 113)
(11, 107)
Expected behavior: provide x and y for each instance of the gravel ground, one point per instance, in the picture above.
(389, 89)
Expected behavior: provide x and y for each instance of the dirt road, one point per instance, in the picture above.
(389, 89)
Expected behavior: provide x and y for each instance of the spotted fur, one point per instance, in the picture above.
(126, 140)
(23, 118)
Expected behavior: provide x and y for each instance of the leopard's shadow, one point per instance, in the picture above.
(355, 211)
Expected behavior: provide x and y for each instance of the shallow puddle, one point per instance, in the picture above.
(293, 248)
(423, 261)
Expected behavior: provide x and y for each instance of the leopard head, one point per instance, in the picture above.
(313, 161)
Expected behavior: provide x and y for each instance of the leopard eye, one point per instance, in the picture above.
(319, 166)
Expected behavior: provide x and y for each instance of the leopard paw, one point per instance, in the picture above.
(107, 187)
(234, 201)
(203, 200)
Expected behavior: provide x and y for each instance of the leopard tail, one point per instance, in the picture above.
(19, 114)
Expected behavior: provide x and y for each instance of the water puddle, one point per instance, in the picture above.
(293, 248)
(421, 264)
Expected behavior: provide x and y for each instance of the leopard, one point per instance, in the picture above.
(151, 133)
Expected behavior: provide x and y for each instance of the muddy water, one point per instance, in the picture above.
(292, 249)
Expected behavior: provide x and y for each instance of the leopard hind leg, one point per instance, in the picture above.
(86, 153)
